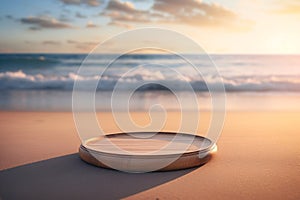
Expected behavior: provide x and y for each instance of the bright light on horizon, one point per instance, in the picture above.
(221, 27)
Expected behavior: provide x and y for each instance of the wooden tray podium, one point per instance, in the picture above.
(137, 151)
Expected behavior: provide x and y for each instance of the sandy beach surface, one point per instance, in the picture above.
(258, 158)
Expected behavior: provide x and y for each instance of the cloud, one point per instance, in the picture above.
(28, 42)
(187, 12)
(92, 3)
(80, 42)
(290, 10)
(120, 12)
(287, 7)
(116, 5)
(128, 17)
(83, 45)
(79, 15)
(51, 42)
(34, 28)
(10, 17)
(120, 24)
(90, 24)
(197, 13)
(72, 42)
(44, 22)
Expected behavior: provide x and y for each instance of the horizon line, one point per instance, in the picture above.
(77, 53)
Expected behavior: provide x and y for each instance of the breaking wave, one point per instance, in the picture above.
(21, 80)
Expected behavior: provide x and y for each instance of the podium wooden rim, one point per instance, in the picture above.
(185, 159)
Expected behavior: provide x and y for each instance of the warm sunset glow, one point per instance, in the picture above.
(239, 26)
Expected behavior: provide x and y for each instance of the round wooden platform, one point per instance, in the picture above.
(147, 151)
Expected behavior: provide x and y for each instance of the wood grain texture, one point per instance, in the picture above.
(137, 152)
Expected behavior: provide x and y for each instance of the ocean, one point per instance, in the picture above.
(45, 82)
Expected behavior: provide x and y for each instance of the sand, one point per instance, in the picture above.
(258, 158)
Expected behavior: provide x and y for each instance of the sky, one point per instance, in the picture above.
(219, 26)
